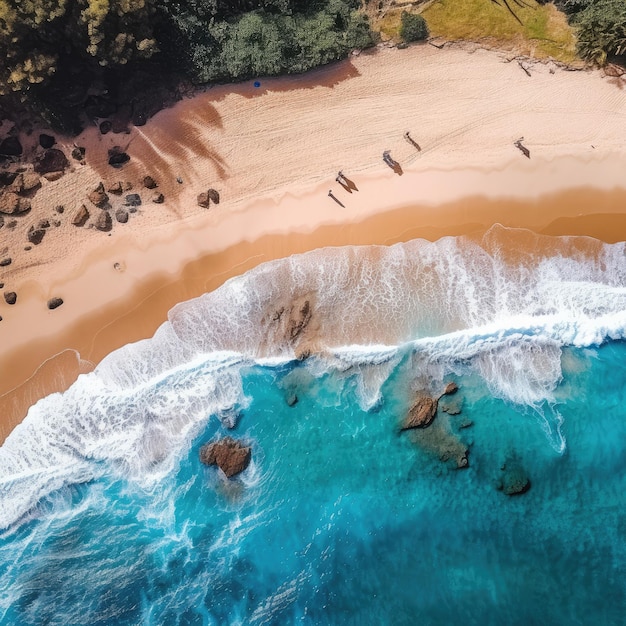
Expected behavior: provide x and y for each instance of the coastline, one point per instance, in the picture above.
(571, 185)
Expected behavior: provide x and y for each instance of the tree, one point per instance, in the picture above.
(413, 27)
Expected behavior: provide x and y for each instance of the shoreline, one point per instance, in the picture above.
(120, 291)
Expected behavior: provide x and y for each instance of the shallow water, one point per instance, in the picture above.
(110, 518)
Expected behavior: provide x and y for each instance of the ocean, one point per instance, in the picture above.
(507, 509)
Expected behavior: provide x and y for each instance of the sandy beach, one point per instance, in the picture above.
(273, 153)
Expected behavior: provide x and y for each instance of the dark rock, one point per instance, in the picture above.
(421, 414)
(11, 224)
(179, 180)
(11, 146)
(46, 141)
(450, 389)
(158, 198)
(35, 235)
(78, 153)
(228, 454)
(81, 216)
(292, 399)
(7, 177)
(203, 200)
(466, 423)
(1, 221)
(12, 204)
(54, 303)
(10, 297)
(104, 221)
(5, 262)
(514, 480)
(149, 182)
(133, 199)
(299, 319)
(214, 196)
(52, 160)
(116, 189)
(121, 216)
(60, 208)
(98, 106)
(56, 223)
(105, 127)
(117, 157)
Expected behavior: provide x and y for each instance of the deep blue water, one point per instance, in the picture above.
(109, 517)
(341, 519)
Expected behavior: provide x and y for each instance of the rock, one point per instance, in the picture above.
(451, 407)
(228, 454)
(104, 221)
(133, 199)
(59, 208)
(54, 303)
(450, 389)
(116, 189)
(158, 198)
(56, 223)
(25, 182)
(1, 221)
(514, 480)
(10, 297)
(203, 200)
(11, 224)
(121, 216)
(12, 204)
(78, 153)
(421, 414)
(117, 157)
(81, 216)
(5, 262)
(179, 180)
(52, 176)
(214, 196)
(292, 399)
(11, 146)
(298, 321)
(46, 141)
(149, 182)
(466, 423)
(98, 196)
(52, 160)
(105, 127)
(43, 224)
(35, 235)
(7, 177)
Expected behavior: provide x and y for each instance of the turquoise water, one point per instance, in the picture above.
(340, 518)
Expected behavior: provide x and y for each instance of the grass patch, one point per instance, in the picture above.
(544, 31)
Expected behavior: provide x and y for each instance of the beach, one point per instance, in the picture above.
(273, 153)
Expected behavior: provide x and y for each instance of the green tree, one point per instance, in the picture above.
(413, 27)
(601, 30)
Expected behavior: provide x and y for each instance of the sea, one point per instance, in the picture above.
(508, 509)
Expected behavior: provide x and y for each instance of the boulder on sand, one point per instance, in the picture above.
(81, 217)
(104, 221)
(52, 160)
(12, 204)
(228, 454)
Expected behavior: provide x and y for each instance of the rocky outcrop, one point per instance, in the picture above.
(149, 182)
(81, 216)
(54, 303)
(25, 183)
(12, 204)
(421, 414)
(450, 388)
(104, 222)
(117, 157)
(52, 160)
(10, 297)
(228, 454)
(98, 196)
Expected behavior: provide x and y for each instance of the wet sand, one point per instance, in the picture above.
(120, 290)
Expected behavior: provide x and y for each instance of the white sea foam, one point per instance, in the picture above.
(455, 305)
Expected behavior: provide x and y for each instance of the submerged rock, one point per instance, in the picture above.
(514, 480)
(228, 454)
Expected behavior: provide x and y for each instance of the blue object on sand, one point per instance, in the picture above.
(257, 83)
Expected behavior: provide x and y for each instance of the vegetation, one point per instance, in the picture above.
(601, 28)
(57, 49)
(537, 30)
(413, 27)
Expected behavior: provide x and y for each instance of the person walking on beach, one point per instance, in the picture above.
(412, 141)
(387, 159)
